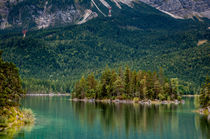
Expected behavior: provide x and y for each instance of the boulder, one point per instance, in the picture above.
(164, 102)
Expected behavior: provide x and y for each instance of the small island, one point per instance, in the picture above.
(127, 86)
(205, 98)
(11, 116)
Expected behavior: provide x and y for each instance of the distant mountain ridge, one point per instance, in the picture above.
(49, 13)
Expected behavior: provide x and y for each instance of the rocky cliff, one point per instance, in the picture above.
(49, 13)
(182, 8)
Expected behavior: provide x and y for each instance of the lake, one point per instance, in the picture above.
(57, 117)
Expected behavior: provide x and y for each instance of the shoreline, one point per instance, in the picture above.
(196, 95)
(203, 111)
(117, 101)
(51, 94)
(19, 118)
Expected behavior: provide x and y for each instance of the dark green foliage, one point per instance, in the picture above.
(10, 85)
(47, 86)
(205, 93)
(141, 84)
(143, 39)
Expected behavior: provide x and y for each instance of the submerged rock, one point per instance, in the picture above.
(176, 102)
(201, 111)
(164, 102)
(141, 102)
(91, 100)
(75, 99)
(116, 101)
(182, 101)
(122, 101)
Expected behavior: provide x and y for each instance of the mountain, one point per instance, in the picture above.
(182, 8)
(137, 35)
(37, 14)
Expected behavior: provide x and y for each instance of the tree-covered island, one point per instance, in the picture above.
(127, 86)
(11, 116)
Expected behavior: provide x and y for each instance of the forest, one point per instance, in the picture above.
(53, 59)
(127, 84)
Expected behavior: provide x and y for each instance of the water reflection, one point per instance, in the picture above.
(156, 120)
(15, 130)
(205, 126)
(57, 117)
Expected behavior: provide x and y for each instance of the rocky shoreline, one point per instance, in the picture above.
(143, 102)
(51, 94)
(204, 111)
(190, 95)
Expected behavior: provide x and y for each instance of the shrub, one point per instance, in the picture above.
(136, 99)
(28, 116)
(161, 97)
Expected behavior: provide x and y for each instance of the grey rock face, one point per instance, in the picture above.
(182, 8)
(46, 13)
(36, 14)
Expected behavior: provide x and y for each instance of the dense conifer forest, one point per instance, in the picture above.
(127, 84)
(53, 59)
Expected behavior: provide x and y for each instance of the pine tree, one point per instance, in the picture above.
(91, 86)
(10, 84)
(205, 93)
(127, 81)
(174, 86)
(83, 87)
(119, 87)
(134, 83)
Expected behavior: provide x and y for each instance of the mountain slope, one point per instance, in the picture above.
(139, 36)
(37, 14)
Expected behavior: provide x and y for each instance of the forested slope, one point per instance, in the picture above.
(141, 37)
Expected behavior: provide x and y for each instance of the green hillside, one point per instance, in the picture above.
(143, 38)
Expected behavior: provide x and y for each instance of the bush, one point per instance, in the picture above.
(168, 98)
(179, 98)
(161, 97)
(136, 99)
(28, 116)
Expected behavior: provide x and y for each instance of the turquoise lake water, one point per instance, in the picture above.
(57, 117)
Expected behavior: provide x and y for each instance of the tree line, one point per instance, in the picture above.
(127, 84)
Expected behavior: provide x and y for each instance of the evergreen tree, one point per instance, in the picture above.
(127, 81)
(119, 86)
(205, 93)
(91, 86)
(10, 84)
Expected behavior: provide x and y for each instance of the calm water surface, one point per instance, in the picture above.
(57, 117)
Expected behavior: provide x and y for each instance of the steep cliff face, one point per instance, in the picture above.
(49, 13)
(41, 13)
(182, 8)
